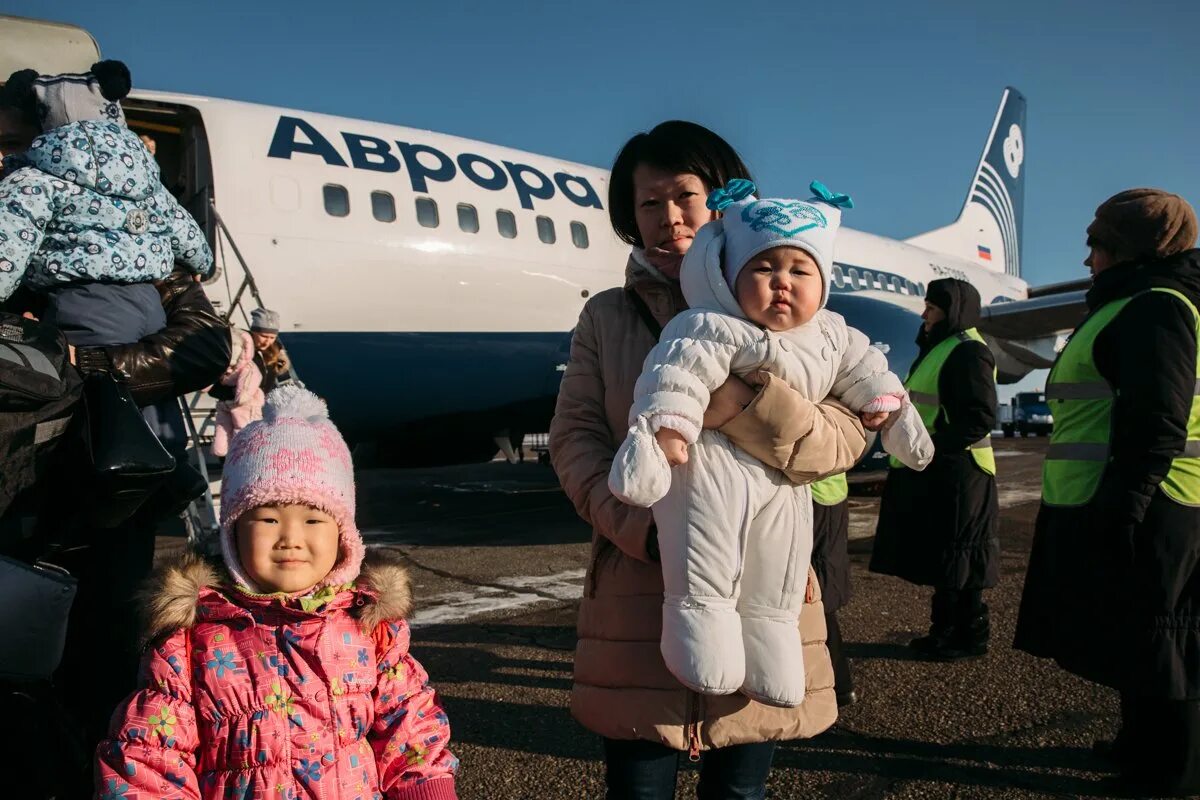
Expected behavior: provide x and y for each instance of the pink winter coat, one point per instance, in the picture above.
(246, 379)
(254, 697)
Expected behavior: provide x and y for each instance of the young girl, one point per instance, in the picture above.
(735, 537)
(84, 218)
(244, 405)
(285, 673)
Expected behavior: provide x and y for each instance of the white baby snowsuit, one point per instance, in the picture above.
(734, 535)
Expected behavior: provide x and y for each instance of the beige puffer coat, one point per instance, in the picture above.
(622, 687)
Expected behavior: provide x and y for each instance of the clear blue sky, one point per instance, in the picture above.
(888, 101)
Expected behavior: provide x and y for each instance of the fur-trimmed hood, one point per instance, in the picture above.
(183, 591)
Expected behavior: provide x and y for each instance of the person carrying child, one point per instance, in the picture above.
(286, 671)
(735, 535)
(85, 220)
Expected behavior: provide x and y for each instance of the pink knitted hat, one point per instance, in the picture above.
(294, 454)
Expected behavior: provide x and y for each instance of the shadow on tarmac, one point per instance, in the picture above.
(984, 765)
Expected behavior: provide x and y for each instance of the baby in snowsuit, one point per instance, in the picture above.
(84, 218)
(735, 536)
(285, 671)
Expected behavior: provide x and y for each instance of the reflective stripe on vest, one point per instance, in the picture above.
(922, 386)
(830, 491)
(1082, 404)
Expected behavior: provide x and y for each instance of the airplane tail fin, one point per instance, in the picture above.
(988, 229)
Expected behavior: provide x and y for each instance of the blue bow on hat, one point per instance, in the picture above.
(821, 192)
(737, 189)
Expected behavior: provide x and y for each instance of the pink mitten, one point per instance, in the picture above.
(888, 402)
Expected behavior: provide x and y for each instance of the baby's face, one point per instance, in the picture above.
(780, 288)
(287, 548)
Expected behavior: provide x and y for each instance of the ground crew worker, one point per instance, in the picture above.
(831, 562)
(1113, 588)
(939, 527)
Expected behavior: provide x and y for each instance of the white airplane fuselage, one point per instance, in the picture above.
(459, 328)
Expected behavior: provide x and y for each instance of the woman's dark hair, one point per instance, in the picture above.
(674, 146)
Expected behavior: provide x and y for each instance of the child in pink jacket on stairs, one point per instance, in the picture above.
(245, 378)
(285, 671)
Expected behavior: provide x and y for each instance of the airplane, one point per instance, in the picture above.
(428, 284)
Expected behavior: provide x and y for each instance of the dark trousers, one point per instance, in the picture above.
(100, 659)
(960, 614)
(1160, 743)
(644, 770)
(843, 680)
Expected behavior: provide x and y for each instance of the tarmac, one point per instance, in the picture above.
(497, 557)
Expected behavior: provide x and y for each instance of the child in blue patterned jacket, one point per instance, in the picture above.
(84, 217)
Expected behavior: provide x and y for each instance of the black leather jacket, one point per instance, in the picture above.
(186, 356)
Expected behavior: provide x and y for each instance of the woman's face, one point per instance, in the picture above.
(669, 209)
(263, 340)
(1099, 260)
(932, 315)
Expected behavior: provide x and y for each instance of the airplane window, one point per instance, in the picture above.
(545, 227)
(468, 218)
(507, 224)
(867, 277)
(337, 200)
(383, 206)
(579, 235)
(921, 289)
(837, 276)
(853, 277)
(895, 285)
(427, 212)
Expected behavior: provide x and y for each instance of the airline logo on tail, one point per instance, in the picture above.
(999, 186)
(988, 229)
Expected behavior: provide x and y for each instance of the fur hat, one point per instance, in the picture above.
(1144, 224)
(294, 454)
(63, 99)
(264, 321)
(753, 226)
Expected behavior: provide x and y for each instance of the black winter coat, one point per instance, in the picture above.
(831, 556)
(1113, 588)
(940, 527)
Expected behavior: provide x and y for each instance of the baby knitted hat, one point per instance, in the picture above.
(752, 226)
(95, 95)
(293, 455)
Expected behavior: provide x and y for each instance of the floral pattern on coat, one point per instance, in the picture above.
(256, 697)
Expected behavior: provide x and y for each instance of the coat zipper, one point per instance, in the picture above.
(693, 726)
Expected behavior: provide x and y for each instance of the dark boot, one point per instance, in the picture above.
(972, 633)
(941, 625)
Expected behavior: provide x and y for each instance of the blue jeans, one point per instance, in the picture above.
(643, 770)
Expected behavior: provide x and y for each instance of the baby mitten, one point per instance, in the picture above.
(640, 474)
(887, 402)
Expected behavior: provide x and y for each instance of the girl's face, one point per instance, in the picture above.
(263, 340)
(287, 548)
(669, 208)
(780, 288)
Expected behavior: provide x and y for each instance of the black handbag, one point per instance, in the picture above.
(35, 602)
(128, 462)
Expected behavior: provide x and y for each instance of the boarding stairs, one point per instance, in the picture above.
(199, 408)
